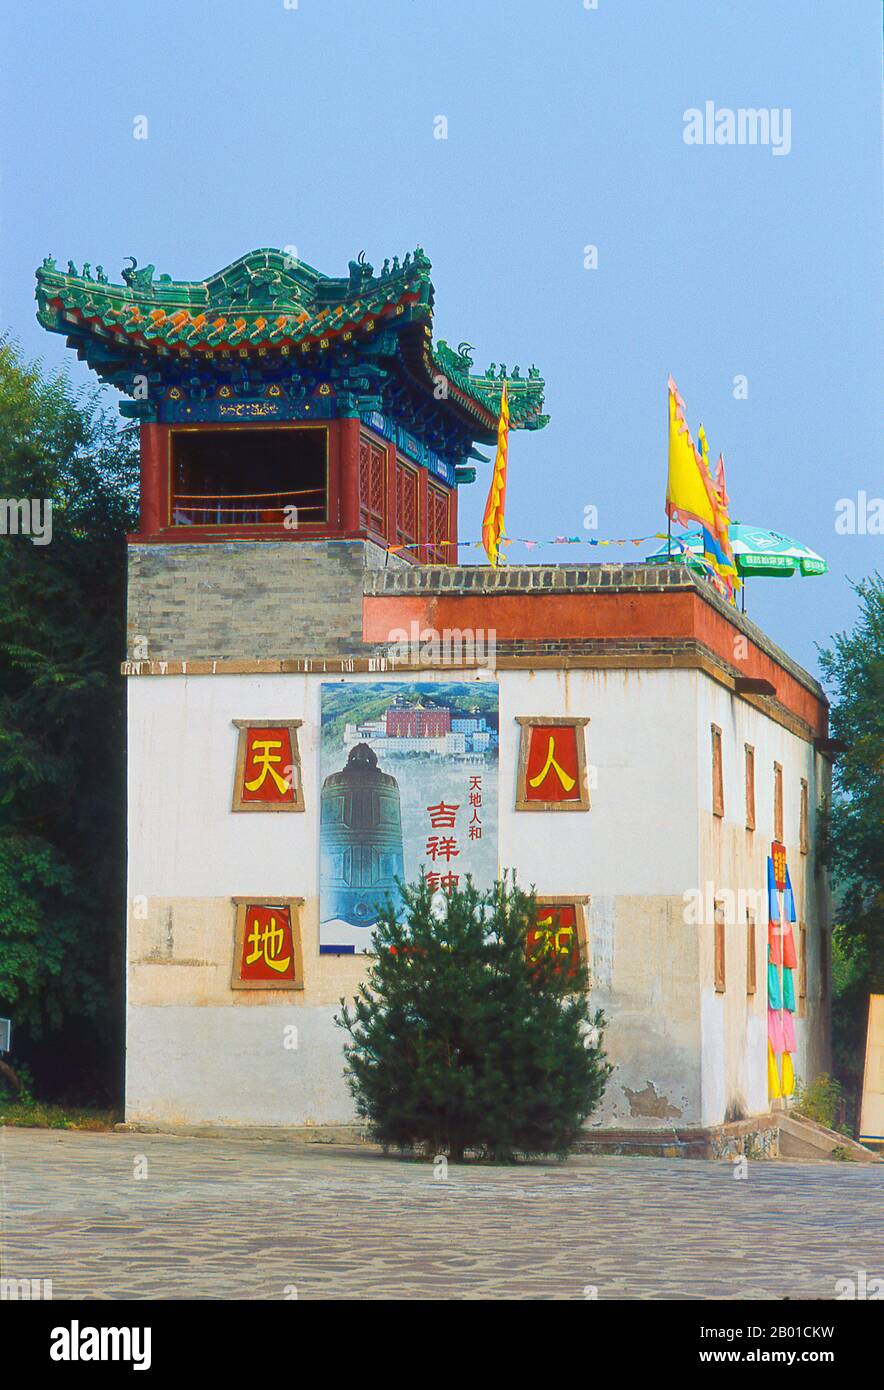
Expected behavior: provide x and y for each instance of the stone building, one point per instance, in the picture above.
(302, 445)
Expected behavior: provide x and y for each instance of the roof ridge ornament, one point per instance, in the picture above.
(138, 279)
(360, 273)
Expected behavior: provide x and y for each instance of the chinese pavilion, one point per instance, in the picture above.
(279, 403)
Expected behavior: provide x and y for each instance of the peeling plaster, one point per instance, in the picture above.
(648, 1103)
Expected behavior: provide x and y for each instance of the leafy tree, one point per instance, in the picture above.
(62, 743)
(459, 1041)
(854, 670)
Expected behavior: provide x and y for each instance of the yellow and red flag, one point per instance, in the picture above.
(689, 492)
(694, 495)
(492, 522)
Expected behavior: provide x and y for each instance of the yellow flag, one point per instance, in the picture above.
(689, 492)
(788, 1075)
(492, 522)
(773, 1076)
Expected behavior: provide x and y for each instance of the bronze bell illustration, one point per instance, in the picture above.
(361, 838)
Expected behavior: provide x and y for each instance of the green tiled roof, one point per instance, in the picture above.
(269, 301)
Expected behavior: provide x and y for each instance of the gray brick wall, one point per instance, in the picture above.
(246, 599)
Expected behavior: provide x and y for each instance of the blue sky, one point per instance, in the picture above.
(314, 127)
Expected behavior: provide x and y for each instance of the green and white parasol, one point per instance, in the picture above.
(756, 551)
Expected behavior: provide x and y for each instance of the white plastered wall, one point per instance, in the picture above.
(733, 864)
(201, 1053)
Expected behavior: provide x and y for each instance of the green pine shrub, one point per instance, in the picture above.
(458, 1042)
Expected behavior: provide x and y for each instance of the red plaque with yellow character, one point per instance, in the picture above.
(560, 933)
(267, 944)
(552, 765)
(778, 856)
(268, 766)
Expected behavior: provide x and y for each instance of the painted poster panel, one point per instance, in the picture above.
(409, 785)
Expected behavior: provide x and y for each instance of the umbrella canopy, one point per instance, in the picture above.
(756, 551)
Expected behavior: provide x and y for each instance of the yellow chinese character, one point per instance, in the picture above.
(566, 780)
(268, 942)
(552, 939)
(262, 758)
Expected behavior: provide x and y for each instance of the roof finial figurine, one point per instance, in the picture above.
(385, 268)
(72, 269)
(134, 277)
(360, 271)
(100, 275)
(87, 271)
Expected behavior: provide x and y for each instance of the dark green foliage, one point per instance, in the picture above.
(819, 1100)
(854, 671)
(457, 1043)
(62, 743)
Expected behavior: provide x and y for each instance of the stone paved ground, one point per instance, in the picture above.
(245, 1218)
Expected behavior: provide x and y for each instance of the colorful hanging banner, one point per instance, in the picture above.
(781, 963)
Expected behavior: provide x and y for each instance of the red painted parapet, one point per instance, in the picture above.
(527, 619)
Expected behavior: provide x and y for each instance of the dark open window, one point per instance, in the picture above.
(249, 477)
(717, 773)
(750, 786)
(751, 958)
(720, 977)
(778, 801)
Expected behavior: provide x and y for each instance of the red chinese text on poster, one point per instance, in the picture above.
(267, 945)
(552, 771)
(778, 856)
(556, 934)
(268, 770)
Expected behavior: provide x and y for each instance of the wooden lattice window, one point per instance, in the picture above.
(372, 486)
(750, 787)
(437, 527)
(406, 505)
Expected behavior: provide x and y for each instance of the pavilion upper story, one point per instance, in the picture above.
(277, 403)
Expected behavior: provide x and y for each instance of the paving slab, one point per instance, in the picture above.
(151, 1216)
